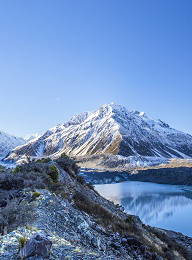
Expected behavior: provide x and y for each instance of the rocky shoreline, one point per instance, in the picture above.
(95, 176)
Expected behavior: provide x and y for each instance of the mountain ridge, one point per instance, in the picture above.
(9, 142)
(111, 129)
(30, 137)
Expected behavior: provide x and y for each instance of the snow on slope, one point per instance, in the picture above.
(30, 137)
(112, 129)
(8, 142)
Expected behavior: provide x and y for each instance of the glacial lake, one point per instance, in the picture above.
(159, 205)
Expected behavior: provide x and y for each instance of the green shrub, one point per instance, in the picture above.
(44, 160)
(34, 175)
(22, 242)
(53, 173)
(130, 219)
(91, 187)
(31, 228)
(81, 180)
(36, 194)
(69, 166)
(63, 155)
(1, 168)
(17, 169)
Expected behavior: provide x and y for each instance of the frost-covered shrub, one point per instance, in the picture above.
(38, 180)
(9, 181)
(16, 213)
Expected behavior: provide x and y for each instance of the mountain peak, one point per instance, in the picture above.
(111, 129)
(112, 106)
(108, 107)
(142, 114)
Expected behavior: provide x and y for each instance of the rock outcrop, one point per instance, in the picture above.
(37, 245)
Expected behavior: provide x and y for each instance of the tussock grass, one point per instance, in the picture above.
(22, 242)
(104, 217)
(171, 245)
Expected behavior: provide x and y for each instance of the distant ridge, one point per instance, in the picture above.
(9, 142)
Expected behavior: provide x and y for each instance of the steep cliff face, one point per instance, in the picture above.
(112, 129)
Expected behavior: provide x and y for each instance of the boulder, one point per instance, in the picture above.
(133, 240)
(123, 241)
(3, 203)
(115, 245)
(37, 245)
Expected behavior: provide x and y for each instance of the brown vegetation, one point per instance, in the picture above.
(104, 217)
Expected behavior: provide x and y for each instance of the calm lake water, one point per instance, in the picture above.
(164, 206)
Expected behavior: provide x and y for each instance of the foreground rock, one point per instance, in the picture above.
(37, 245)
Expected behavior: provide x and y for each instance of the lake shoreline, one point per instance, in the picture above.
(158, 205)
(172, 176)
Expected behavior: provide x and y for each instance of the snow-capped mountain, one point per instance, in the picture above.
(30, 137)
(8, 142)
(112, 129)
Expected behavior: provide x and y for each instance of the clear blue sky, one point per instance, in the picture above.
(59, 58)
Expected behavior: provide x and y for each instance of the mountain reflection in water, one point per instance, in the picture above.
(160, 205)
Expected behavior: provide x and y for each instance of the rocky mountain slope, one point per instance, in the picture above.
(8, 143)
(112, 129)
(47, 211)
